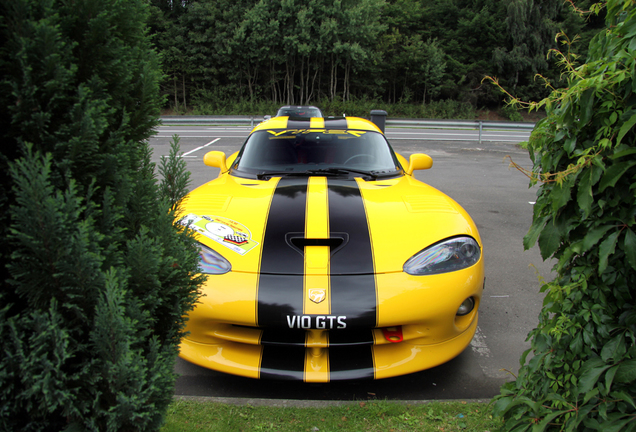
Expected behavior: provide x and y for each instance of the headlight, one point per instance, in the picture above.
(446, 256)
(466, 307)
(212, 262)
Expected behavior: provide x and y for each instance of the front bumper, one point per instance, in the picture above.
(225, 336)
(311, 365)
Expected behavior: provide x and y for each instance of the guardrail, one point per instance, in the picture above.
(251, 121)
(212, 120)
(480, 125)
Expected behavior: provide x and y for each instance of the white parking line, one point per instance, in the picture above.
(485, 358)
(199, 148)
(478, 344)
(199, 136)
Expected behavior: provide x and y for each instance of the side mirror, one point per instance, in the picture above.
(215, 159)
(419, 161)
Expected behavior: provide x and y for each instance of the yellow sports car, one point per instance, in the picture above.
(327, 260)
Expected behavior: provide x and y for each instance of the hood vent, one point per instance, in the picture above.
(424, 204)
(298, 242)
(210, 203)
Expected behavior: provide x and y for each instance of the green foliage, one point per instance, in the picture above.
(96, 277)
(176, 177)
(446, 109)
(531, 29)
(396, 51)
(466, 32)
(583, 366)
(443, 109)
(511, 113)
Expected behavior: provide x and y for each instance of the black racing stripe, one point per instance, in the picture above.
(286, 215)
(297, 123)
(347, 215)
(279, 296)
(336, 123)
(283, 363)
(281, 336)
(280, 285)
(353, 291)
(354, 296)
(354, 362)
(330, 123)
(350, 337)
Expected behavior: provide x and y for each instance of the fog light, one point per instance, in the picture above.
(466, 307)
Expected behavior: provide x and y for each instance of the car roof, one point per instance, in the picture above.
(299, 110)
(338, 123)
(297, 107)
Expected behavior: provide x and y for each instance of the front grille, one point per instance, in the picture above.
(314, 338)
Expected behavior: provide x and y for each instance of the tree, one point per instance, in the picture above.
(171, 42)
(291, 44)
(481, 28)
(531, 29)
(583, 366)
(225, 52)
(96, 276)
(466, 32)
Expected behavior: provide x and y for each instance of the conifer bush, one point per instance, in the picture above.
(96, 275)
(580, 371)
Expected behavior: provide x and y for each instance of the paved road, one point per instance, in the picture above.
(499, 200)
(393, 134)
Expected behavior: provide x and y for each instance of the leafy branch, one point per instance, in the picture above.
(583, 365)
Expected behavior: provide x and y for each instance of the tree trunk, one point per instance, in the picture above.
(252, 78)
(346, 90)
(176, 100)
(289, 83)
(185, 105)
(274, 83)
(301, 97)
(313, 86)
(333, 83)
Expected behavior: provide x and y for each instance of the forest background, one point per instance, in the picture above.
(423, 58)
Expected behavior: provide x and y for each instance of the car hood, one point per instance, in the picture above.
(294, 226)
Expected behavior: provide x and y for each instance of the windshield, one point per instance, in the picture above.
(304, 112)
(316, 151)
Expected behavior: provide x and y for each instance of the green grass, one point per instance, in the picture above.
(192, 415)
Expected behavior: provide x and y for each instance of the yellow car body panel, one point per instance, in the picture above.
(317, 289)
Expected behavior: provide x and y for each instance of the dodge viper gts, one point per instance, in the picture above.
(327, 260)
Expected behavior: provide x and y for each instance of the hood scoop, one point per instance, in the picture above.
(298, 241)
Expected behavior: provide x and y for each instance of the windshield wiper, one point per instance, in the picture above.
(368, 174)
(266, 175)
(344, 171)
(307, 173)
(373, 175)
